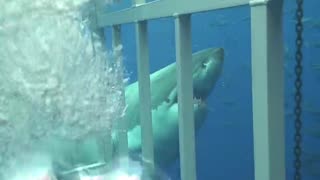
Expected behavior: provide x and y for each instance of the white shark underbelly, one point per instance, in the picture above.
(165, 132)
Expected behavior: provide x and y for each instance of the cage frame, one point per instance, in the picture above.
(267, 76)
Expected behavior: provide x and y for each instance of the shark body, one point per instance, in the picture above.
(207, 67)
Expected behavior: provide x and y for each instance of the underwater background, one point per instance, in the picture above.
(55, 81)
(224, 144)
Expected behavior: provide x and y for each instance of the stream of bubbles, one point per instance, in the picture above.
(52, 81)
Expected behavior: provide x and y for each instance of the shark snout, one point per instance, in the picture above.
(218, 54)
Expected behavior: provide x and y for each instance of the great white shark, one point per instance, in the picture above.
(207, 67)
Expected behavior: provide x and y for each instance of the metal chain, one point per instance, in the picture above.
(298, 94)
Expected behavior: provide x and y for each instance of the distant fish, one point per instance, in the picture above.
(304, 20)
(315, 24)
(312, 45)
(316, 66)
(311, 108)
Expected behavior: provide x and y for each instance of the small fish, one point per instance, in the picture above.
(316, 45)
(219, 23)
(316, 66)
(315, 25)
(247, 18)
(311, 108)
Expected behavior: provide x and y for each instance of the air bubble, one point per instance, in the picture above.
(51, 80)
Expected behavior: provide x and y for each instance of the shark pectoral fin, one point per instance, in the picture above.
(173, 96)
(169, 101)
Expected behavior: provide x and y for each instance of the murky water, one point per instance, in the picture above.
(53, 80)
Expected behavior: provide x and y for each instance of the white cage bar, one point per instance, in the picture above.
(267, 89)
(144, 92)
(185, 96)
(267, 76)
(122, 127)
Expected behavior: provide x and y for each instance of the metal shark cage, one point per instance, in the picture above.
(267, 76)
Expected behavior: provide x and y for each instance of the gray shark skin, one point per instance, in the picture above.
(207, 67)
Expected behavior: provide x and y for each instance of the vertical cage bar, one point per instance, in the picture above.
(185, 97)
(97, 34)
(98, 6)
(268, 89)
(122, 131)
(107, 144)
(144, 92)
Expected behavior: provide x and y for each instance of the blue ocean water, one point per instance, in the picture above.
(224, 145)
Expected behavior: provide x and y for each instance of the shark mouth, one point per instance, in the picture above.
(197, 101)
(197, 94)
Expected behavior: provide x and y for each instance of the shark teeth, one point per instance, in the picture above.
(197, 100)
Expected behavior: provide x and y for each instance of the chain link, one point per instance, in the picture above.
(298, 94)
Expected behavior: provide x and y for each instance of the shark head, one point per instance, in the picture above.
(207, 66)
(207, 69)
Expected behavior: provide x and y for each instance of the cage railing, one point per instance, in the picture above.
(267, 76)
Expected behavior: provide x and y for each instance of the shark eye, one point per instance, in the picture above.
(203, 65)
